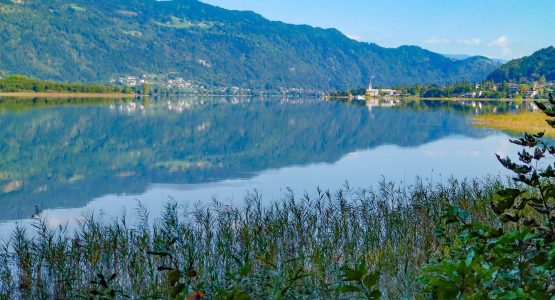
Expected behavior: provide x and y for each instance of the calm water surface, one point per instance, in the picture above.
(104, 157)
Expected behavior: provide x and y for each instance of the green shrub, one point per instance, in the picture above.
(515, 259)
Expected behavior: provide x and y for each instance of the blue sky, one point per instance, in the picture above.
(495, 28)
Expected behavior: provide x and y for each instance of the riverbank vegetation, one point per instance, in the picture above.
(312, 246)
(515, 123)
(20, 83)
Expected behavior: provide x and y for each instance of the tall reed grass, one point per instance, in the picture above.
(291, 249)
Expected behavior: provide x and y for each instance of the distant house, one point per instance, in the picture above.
(390, 92)
(469, 95)
(531, 93)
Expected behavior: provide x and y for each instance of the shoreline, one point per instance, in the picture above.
(118, 95)
(435, 99)
(64, 95)
(471, 99)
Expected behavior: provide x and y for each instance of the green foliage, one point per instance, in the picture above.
(95, 41)
(146, 89)
(516, 259)
(361, 282)
(539, 66)
(20, 83)
(102, 289)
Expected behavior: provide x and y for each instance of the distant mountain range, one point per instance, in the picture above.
(529, 68)
(94, 41)
(466, 56)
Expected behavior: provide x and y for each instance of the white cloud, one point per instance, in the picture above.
(471, 41)
(502, 43)
(436, 40)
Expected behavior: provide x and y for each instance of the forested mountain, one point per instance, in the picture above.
(94, 41)
(529, 68)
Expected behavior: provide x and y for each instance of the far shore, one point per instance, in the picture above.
(412, 98)
(472, 99)
(66, 95)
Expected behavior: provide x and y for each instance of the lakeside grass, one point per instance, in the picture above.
(533, 122)
(294, 248)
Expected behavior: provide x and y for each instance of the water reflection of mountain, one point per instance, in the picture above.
(65, 156)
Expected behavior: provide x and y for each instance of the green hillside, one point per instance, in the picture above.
(529, 68)
(94, 41)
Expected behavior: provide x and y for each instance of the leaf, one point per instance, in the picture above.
(539, 153)
(469, 258)
(375, 294)
(173, 277)
(351, 274)
(519, 169)
(103, 282)
(158, 253)
(349, 289)
(507, 217)
(245, 269)
(192, 273)
(453, 215)
(505, 199)
(371, 280)
(178, 289)
(539, 207)
(513, 193)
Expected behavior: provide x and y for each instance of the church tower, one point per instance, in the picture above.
(371, 92)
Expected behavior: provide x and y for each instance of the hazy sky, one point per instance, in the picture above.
(495, 28)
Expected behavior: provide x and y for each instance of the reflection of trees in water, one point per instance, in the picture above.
(466, 107)
(66, 156)
(473, 107)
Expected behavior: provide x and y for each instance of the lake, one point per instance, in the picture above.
(104, 157)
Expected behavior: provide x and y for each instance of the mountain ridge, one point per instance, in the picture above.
(528, 68)
(88, 41)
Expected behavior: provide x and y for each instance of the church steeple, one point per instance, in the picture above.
(371, 92)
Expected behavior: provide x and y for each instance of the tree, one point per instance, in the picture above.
(146, 89)
(542, 80)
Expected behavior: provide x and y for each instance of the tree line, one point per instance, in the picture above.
(20, 83)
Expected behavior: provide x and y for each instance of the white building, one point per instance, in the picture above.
(371, 92)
